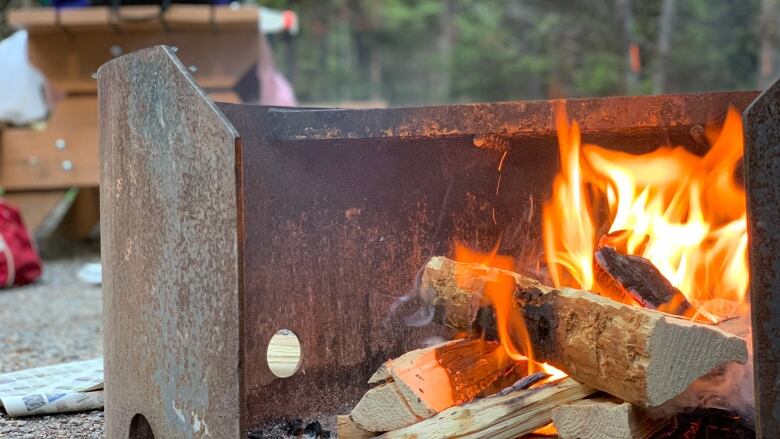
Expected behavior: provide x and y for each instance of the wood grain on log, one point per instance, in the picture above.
(602, 417)
(499, 416)
(347, 429)
(641, 356)
(423, 382)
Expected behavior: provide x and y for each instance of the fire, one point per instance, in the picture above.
(509, 323)
(685, 213)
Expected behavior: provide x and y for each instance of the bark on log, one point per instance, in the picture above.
(638, 355)
(602, 417)
(422, 383)
(640, 279)
(497, 417)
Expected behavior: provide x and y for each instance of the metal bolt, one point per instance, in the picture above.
(175, 49)
(94, 75)
(67, 165)
(193, 68)
(60, 143)
(116, 51)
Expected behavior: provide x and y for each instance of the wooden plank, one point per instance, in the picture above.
(32, 19)
(506, 416)
(217, 58)
(62, 155)
(79, 19)
(347, 429)
(423, 382)
(169, 234)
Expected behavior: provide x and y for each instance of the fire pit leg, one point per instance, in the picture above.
(170, 264)
(762, 181)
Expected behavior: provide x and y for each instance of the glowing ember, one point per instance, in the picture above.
(555, 374)
(684, 213)
(547, 430)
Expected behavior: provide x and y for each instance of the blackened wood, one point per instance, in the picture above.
(640, 279)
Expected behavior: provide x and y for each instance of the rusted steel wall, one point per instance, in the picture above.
(762, 181)
(649, 119)
(341, 208)
(170, 265)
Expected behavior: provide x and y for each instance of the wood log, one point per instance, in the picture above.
(641, 280)
(347, 429)
(601, 417)
(422, 383)
(497, 417)
(638, 355)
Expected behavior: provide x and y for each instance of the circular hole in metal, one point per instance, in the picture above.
(140, 428)
(284, 354)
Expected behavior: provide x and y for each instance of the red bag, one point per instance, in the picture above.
(19, 262)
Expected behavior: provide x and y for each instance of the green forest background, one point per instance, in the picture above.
(409, 52)
(406, 52)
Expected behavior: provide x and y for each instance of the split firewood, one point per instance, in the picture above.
(638, 355)
(601, 417)
(422, 383)
(347, 429)
(641, 280)
(502, 416)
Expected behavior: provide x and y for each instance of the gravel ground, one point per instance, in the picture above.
(54, 321)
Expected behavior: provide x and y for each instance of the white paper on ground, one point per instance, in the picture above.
(44, 404)
(62, 381)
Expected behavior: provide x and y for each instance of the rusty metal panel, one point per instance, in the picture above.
(169, 239)
(341, 208)
(650, 119)
(762, 181)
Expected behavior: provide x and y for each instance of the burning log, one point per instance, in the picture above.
(641, 280)
(604, 417)
(502, 416)
(422, 383)
(639, 355)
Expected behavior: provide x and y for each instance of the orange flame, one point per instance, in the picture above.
(509, 322)
(547, 430)
(684, 213)
(498, 291)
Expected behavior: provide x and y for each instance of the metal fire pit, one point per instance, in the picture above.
(222, 224)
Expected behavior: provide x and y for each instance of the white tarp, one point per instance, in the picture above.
(22, 86)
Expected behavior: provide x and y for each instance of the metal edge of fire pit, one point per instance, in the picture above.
(170, 265)
(762, 181)
(637, 114)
